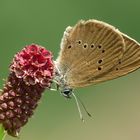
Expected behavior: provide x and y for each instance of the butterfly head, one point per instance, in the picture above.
(67, 92)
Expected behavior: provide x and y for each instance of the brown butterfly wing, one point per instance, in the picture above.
(129, 62)
(89, 49)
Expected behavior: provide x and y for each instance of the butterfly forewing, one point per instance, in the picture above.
(88, 50)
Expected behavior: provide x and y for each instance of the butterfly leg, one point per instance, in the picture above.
(53, 89)
(56, 86)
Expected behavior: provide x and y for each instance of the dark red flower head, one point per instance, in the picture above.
(34, 64)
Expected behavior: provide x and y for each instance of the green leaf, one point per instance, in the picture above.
(2, 133)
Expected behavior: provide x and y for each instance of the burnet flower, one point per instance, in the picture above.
(31, 71)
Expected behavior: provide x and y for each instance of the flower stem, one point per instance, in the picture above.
(2, 133)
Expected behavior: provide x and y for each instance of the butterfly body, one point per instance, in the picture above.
(61, 83)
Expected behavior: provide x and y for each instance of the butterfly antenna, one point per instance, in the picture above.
(79, 110)
(84, 107)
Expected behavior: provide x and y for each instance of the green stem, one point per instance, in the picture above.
(2, 133)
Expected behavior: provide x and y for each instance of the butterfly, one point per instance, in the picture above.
(93, 52)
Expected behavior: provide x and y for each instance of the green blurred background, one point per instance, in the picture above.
(114, 105)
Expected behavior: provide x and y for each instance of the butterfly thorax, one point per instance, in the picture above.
(62, 85)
